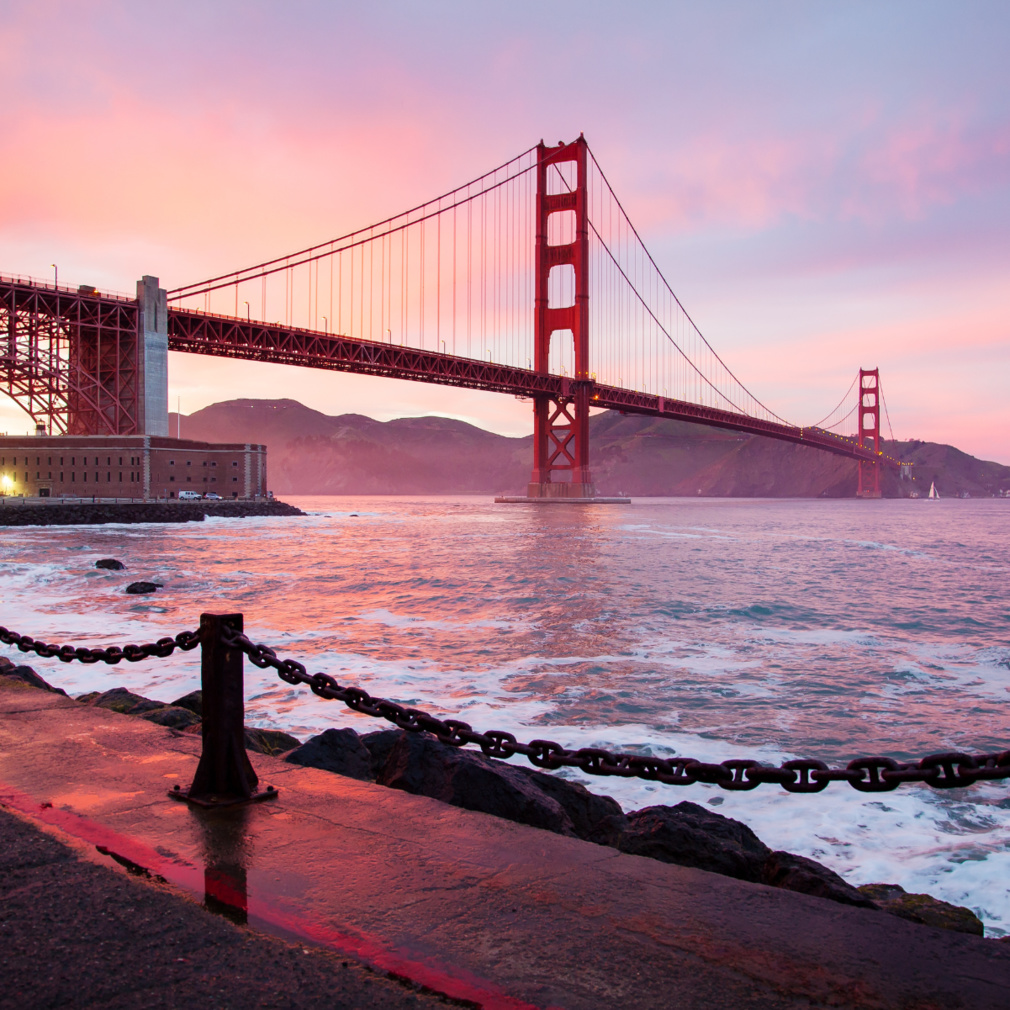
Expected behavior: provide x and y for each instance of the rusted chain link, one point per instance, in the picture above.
(113, 654)
(868, 774)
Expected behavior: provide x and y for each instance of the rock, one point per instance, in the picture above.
(923, 908)
(335, 750)
(117, 699)
(111, 564)
(690, 835)
(419, 764)
(26, 675)
(379, 744)
(797, 873)
(591, 815)
(269, 741)
(137, 588)
(193, 701)
(171, 716)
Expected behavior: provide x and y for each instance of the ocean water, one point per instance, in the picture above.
(709, 628)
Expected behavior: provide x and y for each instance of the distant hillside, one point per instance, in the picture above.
(314, 453)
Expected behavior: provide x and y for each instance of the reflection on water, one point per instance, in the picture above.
(711, 628)
(226, 853)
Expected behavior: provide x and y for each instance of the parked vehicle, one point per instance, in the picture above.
(189, 496)
(212, 496)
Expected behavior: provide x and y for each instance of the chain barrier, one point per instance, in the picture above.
(869, 774)
(949, 770)
(185, 640)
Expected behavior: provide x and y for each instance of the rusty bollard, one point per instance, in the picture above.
(225, 775)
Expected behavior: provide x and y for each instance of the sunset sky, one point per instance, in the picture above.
(825, 185)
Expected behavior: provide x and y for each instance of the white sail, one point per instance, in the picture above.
(933, 493)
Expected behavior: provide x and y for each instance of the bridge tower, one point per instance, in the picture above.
(561, 424)
(869, 431)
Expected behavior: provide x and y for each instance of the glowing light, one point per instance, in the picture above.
(6, 481)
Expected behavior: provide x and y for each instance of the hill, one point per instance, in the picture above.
(315, 453)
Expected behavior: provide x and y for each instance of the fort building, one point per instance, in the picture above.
(129, 466)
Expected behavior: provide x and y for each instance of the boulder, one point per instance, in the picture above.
(591, 815)
(923, 908)
(335, 750)
(379, 744)
(797, 873)
(138, 588)
(26, 675)
(691, 835)
(119, 699)
(419, 764)
(193, 701)
(269, 741)
(168, 715)
(111, 564)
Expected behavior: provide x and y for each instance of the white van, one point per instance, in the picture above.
(189, 496)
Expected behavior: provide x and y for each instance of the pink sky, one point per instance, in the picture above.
(825, 186)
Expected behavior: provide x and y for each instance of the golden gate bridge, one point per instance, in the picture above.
(530, 280)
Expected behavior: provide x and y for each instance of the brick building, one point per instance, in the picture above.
(129, 466)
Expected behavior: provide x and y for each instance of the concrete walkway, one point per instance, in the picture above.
(73, 934)
(486, 911)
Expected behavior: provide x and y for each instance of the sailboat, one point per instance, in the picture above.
(933, 493)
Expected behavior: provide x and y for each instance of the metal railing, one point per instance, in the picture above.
(225, 774)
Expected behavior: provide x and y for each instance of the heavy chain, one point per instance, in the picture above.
(868, 774)
(113, 654)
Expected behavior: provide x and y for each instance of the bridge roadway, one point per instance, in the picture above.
(226, 336)
(196, 332)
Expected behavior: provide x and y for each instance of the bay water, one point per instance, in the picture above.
(708, 628)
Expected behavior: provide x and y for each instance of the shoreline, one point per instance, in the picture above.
(54, 512)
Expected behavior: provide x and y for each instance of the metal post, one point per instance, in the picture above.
(225, 775)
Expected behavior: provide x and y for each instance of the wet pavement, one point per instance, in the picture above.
(489, 912)
(73, 934)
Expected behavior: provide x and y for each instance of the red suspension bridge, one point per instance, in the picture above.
(530, 280)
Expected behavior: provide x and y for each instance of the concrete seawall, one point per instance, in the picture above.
(482, 909)
(40, 512)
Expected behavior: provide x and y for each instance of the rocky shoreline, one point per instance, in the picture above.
(83, 513)
(686, 834)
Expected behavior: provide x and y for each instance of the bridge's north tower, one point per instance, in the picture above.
(868, 412)
(561, 424)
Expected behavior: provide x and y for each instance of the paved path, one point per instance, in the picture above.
(506, 916)
(73, 934)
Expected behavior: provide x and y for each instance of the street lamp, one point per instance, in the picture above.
(56, 275)
(248, 313)
(326, 325)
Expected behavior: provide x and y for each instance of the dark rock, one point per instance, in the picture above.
(110, 563)
(923, 908)
(168, 715)
(26, 675)
(137, 588)
(147, 705)
(590, 814)
(690, 835)
(379, 744)
(335, 750)
(419, 764)
(269, 741)
(193, 701)
(118, 699)
(797, 873)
